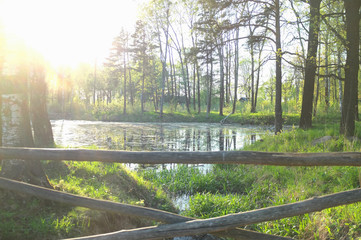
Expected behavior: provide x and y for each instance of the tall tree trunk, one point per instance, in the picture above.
(94, 82)
(125, 85)
(164, 73)
(317, 86)
(253, 108)
(188, 86)
(258, 74)
(210, 88)
(311, 64)
(198, 90)
(221, 93)
(43, 133)
(278, 105)
(142, 94)
(194, 86)
(236, 67)
(327, 78)
(185, 80)
(163, 57)
(131, 87)
(339, 73)
(17, 133)
(349, 107)
(171, 74)
(227, 77)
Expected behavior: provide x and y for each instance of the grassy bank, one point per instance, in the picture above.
(24, 217)
(229, 189)
(114, 112)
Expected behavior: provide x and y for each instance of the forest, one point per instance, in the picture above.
(279, 56)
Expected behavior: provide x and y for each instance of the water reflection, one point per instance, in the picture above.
(154, 136)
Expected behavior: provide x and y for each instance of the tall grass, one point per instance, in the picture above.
(228, 189)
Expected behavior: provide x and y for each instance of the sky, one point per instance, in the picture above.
(68, 32)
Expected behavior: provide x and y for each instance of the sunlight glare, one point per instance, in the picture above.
(68, 31)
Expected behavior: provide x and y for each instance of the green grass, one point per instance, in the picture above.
(235, 188)
(23, 217)
(213, 117)
(31, 218)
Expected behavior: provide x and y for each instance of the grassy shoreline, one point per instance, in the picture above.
(213, 117)
(230, 189)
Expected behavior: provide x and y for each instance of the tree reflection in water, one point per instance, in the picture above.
(155, 136)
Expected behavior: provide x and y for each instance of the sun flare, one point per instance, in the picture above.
(67, 31)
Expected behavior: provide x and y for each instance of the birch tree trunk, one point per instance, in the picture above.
(17, 133)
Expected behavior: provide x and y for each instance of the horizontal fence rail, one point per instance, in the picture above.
(219, 157)
(120, 208)
(223, 223)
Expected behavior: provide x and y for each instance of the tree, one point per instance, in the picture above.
(16, 125)
(349, 106)
(141, 46)
(311, 63)
(236, 68)
(43, 134)
(117, 65)
(178, 45)
(160, 16)
(278, 104)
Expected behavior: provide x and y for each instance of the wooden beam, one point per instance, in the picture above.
(74, 200)
(223, 223)
(120, 208)
(220, 157)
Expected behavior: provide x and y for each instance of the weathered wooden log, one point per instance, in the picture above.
(223, 223)
(120, 208)
(220, 157)
(104, 205)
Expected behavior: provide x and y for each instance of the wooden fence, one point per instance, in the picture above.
(225, 226)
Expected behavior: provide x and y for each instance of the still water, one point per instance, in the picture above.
(154, 136)
(157, 137)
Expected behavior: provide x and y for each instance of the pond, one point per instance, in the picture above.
(157, 137)
(154, 136)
